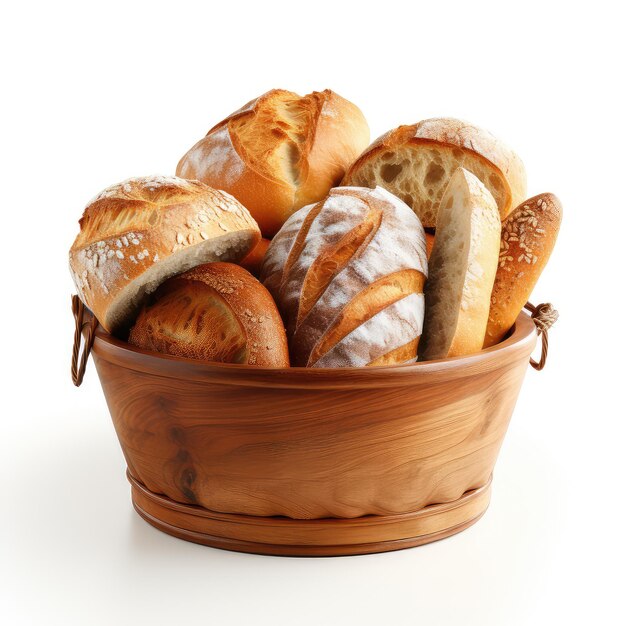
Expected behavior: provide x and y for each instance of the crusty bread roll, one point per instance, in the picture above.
(527, 240)
(279, 152)
(347, 274)
(415, 163)
(254, 259)
(136, 234)
(214, 312)
(462, 268)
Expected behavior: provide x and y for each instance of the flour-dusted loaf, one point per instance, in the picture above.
(279, 152)
(416, 162)
(462, 267)
(136, 234)
(527, 240)
(214, 312)
(347, 274)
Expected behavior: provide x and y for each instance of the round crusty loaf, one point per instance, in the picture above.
(527, 240)
(279, 152)
(136, 234)
(416, 162)
(462, 268)
(347, 274)
(214, 312)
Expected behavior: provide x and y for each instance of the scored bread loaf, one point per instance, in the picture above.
(462, 268)
(415, 163)
(279, 152)
(214, 312)
(527, 240)
(136, 234)
(347, 274)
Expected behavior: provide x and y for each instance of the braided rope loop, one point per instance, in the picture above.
(544, 315)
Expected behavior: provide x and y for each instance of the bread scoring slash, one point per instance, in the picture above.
(347, 274)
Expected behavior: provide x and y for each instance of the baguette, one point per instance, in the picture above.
(347, 274)
(136, 234)
(214, 312)
(279, 152)
(415, 163)
(527, 240)
(462, 268)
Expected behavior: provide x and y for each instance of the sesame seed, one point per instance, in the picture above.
(120, 254)
(135, 241)
(203, 235)
(190, 237)
(179, 238)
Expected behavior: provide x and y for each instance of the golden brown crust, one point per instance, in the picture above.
(279, 152)
(214, 312)
(136, 234)
(527, 240)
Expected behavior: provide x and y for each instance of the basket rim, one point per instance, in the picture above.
(515, 348)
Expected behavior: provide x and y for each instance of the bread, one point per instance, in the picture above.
(430, 242)
(136, 234)
(415, 163)
(214, 312)
(254, 259)
(462, 268)
(279, 152)
(347, 274)
(528, 238)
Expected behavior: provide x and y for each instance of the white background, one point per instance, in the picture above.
(96, 92)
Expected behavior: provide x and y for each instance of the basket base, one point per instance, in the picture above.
(282, 536)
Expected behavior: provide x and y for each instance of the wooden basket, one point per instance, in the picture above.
(309, 461)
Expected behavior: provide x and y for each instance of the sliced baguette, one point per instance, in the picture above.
(415, 163)
(462, 268)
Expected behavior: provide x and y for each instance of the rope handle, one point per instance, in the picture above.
(544, 315)
(78, 369)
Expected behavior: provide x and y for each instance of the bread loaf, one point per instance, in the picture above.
(136, 234)
(430, 242)
(462, 268)
(254, 259)
(214, 312)
(279, 152)
(527, 240)
(347, 274)
(415, 163)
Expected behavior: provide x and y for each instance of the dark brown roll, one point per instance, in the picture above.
(214, 312)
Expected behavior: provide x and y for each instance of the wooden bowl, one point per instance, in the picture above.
(312, 461)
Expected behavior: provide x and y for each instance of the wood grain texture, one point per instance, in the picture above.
(310, 444)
